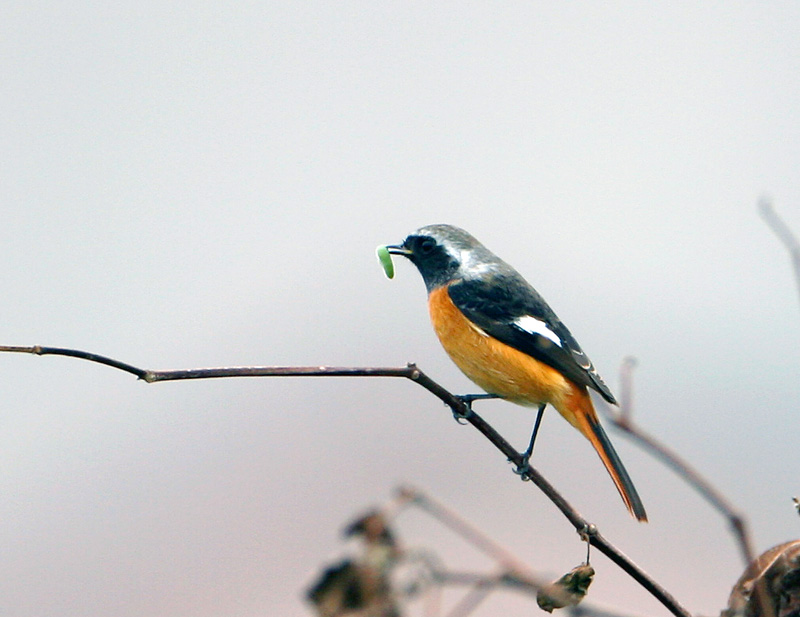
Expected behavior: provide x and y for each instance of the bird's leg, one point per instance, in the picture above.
(526, 456)
(467, 399)
(529, 452)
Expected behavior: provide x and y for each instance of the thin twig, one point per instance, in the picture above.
(504, 580)
(513, 574)
(468, 531)
(479, 592)
(784, 234)
(789, 240)
(623, 420)
(457, 406)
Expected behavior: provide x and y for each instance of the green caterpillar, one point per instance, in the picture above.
(386, 260)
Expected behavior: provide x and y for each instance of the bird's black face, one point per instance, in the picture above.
(434, 259)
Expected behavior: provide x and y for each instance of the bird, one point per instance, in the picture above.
(502, 334)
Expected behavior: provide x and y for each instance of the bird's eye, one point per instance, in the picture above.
(427, 246)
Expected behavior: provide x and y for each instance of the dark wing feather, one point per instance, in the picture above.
(496, 305)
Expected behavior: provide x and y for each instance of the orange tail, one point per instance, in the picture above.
(581, 415)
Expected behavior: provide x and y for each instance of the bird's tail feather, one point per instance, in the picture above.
(587, 423)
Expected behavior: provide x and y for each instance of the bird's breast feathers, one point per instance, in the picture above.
(508, 309)
(494, 366)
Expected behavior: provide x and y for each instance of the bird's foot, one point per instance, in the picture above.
(523, 470)
(467, 400)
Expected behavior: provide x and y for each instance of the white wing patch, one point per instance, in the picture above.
(537, 326)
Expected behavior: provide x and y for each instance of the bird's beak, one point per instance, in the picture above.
(397, 249)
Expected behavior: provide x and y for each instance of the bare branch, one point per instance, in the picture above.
(211, 373)
(778, 226)
(466, 530)
(487, 582)
(784, 234)
(479, 592)
(623, 420)
(513, 574)
(588, 530)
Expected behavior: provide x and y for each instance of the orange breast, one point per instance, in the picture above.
(494, 366)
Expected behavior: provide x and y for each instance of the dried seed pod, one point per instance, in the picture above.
(569, 590)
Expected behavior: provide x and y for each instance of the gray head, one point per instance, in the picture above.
(443, 253)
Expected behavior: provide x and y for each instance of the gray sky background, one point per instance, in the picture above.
(191, 184)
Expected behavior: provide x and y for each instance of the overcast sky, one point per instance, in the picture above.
(191, 184)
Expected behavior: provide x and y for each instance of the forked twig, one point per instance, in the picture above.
(411, 372)
(484, 584)
(513, 573)
(467, 531)
(623, 420)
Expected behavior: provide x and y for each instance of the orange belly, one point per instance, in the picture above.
(494, 366)
(500, 369)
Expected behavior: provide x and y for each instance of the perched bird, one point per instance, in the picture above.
(502, 335)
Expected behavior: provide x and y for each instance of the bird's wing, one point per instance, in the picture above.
(509, 309)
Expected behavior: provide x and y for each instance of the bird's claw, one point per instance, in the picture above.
(466, 400)
(461, 418)
(523, 471)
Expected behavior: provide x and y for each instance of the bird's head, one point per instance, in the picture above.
(443, 253)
